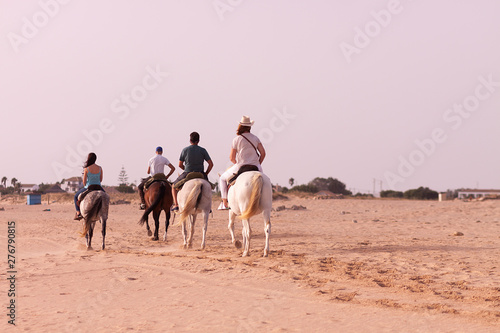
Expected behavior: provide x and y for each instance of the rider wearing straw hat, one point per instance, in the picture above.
(246, 149)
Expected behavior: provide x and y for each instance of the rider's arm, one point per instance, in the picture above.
(101, 175)
(172, 169)
(149, 170)
(232, 155)
(181, 165)
(262, 152)
(210, 166)
(84, 176)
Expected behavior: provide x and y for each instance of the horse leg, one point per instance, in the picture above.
(89, 235)
(147, 228)
(232, 217)
(267, 230)
(204, 228)
(156, 217)
(246, 232)
(184, 233)
(192, 220)
(103, 231)
(167, 223)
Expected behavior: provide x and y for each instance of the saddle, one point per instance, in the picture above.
(91, 188)
(159, 177)
(244, 168)
(189, 176)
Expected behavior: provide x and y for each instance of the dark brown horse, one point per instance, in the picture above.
(158, 197)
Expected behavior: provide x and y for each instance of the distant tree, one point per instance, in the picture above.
(4, 181)
(122, 177)
(18, 187)
(363, 195)
(291, 181)
(330, 184)
(8, 190)
(421, 193)
(391, 194)
(452, 194)
(13, 181)
(43, 187)
(305, 188)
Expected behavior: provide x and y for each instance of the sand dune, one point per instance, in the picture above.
(338, 266)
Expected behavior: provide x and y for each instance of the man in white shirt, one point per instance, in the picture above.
(155, 165)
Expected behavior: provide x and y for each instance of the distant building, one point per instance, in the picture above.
(72, 184)
(467, 193)
(443, 196)
(29, 187)
(54, 189)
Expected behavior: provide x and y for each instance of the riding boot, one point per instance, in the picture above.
(143, 201)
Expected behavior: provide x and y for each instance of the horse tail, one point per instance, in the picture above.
(254, 202)
(192, 200)
(155, 203)
(91, 215)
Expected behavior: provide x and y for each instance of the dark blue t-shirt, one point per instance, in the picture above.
(193, 156)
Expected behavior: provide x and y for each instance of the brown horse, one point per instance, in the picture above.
(158, 197)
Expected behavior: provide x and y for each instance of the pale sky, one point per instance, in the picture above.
(403, 92)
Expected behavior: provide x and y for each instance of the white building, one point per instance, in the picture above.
(72, 184)
(467, 193)
(29, 187)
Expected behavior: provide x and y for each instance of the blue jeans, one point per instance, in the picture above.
(76, 197)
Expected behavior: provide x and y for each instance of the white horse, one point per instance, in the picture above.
(250, 195)
(94, 207)
(195, 197)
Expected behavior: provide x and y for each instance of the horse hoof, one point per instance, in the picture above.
(150, 233)
(154, 238)
(244, 254)
(265, 254)
(237, 244)
(89, 248)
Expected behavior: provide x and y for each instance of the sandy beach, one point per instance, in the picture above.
(347, 265)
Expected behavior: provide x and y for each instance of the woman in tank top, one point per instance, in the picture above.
(92, 175)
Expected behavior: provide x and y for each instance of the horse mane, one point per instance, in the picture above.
(91, 214)
(191, 203)
(254, 202)
(155, 203)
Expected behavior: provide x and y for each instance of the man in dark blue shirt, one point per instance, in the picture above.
(192, 160)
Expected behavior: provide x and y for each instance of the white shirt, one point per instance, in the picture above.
(245, 153)
(157, 164)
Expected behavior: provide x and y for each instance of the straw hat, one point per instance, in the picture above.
(245, 121)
